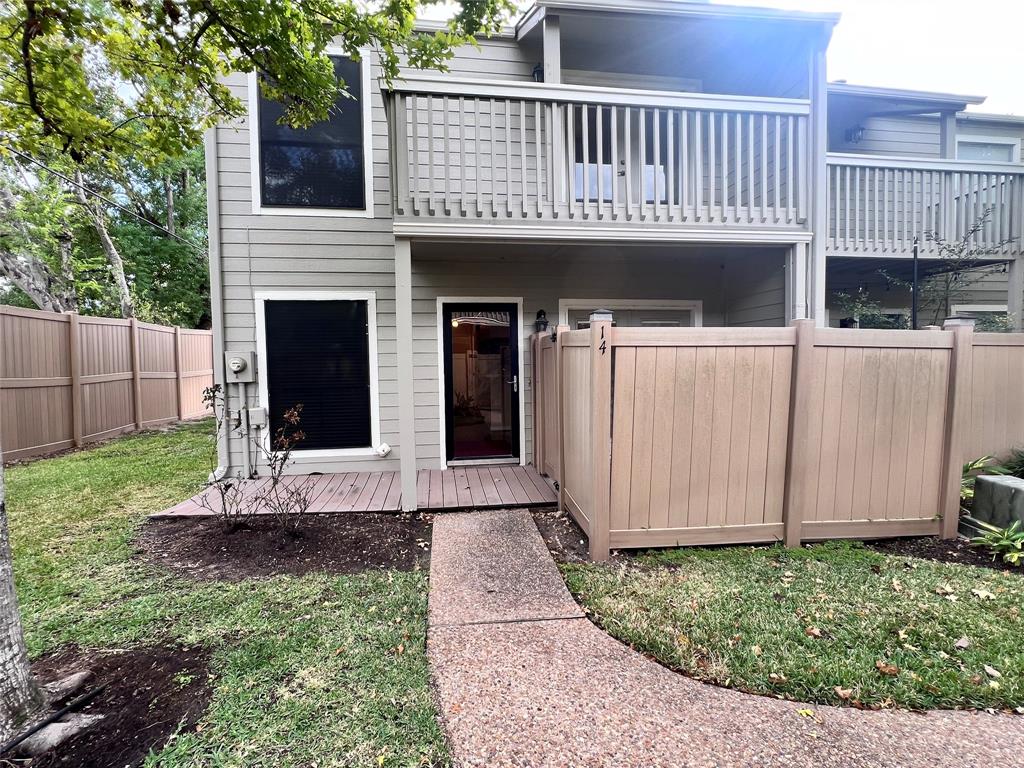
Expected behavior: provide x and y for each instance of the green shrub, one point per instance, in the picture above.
(986, 465)
(1007, 543)
(1015, 464)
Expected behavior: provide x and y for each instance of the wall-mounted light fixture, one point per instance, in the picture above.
(538, 73)
(855, 135)
(541, 323)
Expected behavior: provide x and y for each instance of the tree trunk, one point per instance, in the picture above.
(20, 696)
(169, 191)
(109, 249)
(35, 279)
(67, 271)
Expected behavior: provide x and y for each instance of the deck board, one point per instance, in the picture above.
(456, 488)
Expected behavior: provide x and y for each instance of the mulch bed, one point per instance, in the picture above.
(565, 539)
(343, 543)
(956, 550)
(151, 693)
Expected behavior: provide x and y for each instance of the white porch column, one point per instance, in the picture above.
(796, 283)
(552, 44)
(1015, 294)
(552, 33)
(819, 187)
(947, 135)
(406, 401)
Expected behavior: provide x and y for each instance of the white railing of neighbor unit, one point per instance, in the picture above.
(471, 150)
(878, 205)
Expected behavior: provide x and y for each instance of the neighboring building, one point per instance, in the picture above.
(678, 163)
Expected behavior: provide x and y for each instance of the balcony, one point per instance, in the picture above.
(527, 159)
(878, 205)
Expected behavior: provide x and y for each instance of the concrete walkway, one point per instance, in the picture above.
(523, 679)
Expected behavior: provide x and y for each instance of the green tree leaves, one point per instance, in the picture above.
(146, 77)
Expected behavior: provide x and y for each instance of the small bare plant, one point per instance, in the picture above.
(286, 498)
(226, 496)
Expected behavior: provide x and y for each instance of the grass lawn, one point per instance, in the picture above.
(318, 670)
(828, 624)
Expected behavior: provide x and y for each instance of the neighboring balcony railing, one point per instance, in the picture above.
(468, 151)
(878, 205)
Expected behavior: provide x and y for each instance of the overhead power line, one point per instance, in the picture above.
(105, 199)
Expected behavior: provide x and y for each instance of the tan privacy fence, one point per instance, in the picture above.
(66, 380)
(663, 437)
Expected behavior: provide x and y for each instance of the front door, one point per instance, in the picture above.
(481, 380)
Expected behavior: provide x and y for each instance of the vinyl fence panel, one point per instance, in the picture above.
(679, 436)
(66, 380)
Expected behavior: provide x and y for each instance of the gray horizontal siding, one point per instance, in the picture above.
(890, 136)
(274, 251)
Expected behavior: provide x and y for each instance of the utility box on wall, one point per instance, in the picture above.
(239, 367)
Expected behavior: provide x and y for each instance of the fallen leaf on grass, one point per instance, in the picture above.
(777, 678)
(946, 591)
(756, 650)
(886, 668)
(843, 693)
(984, 594)
(812, 632)
(991, 671)
(962, 644)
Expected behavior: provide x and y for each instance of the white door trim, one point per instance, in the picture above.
(696, 306)
(442, 412)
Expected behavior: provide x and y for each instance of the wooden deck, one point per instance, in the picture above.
(457, 488)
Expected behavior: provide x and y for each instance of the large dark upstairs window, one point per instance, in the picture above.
(321, 166)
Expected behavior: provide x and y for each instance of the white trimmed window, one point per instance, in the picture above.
(988, 149)
(325, 169)
(319, 349)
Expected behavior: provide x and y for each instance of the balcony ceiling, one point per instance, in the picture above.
(725, 55)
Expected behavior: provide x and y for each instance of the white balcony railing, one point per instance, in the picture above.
(878, 205)
(478, 151)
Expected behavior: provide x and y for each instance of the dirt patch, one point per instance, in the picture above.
(344, 543)
(944, 551)
(565, 539)
(150, 694)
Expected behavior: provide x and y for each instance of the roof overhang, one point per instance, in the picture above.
(986, 117)
(679, 8)
(901, 101)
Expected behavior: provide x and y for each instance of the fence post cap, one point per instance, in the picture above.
(959, 321)
(601, 316)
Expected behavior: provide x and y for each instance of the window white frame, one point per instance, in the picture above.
(1010, 141)
(370, 297)
(696, 306)
(988, 308)
(442, 423)
(256, 171)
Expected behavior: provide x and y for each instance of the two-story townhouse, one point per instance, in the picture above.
(679, 163)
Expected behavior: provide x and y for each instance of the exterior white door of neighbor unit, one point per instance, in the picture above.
(637, 318)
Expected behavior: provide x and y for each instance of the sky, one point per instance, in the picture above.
(968, 47)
